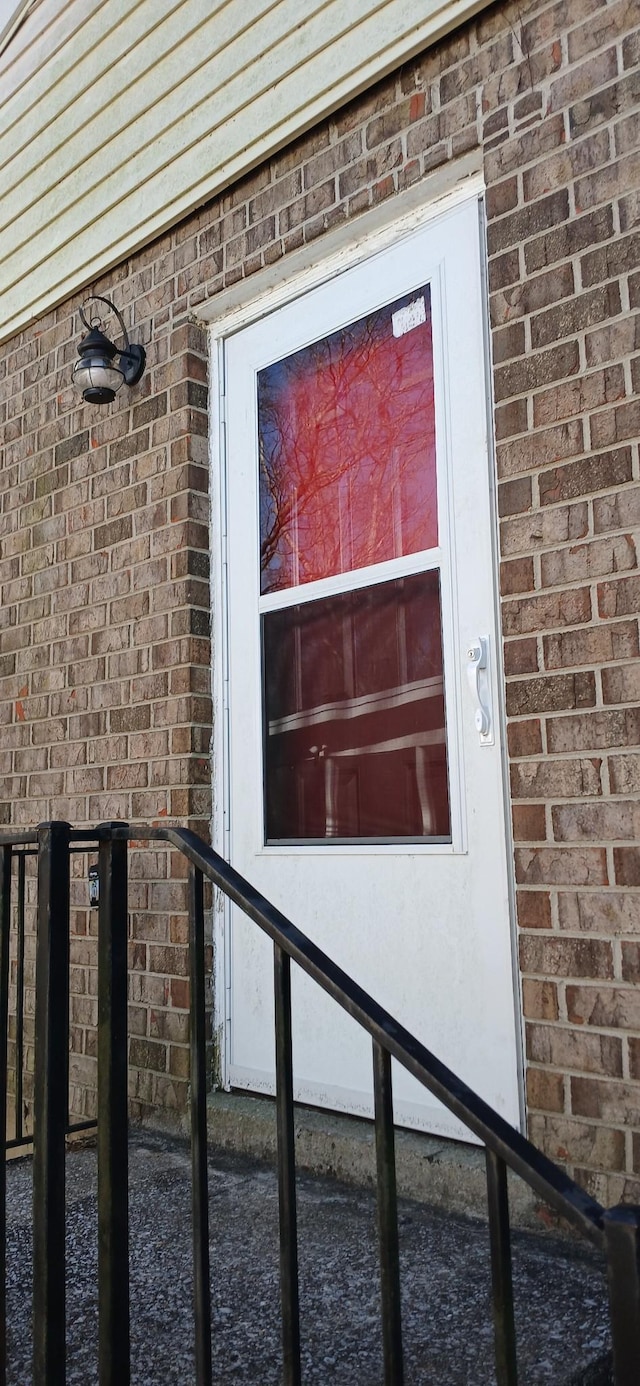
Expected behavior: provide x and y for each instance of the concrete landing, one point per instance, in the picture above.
(445, 1174)
(559, 1286)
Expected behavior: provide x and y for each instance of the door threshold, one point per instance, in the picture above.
(443, 1173)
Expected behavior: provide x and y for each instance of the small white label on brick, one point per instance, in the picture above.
(407, 318)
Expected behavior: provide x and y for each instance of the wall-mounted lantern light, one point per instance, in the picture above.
(103, 368)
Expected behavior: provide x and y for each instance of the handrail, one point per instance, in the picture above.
(536, 1169)
(615, 1231)
(545, 1177)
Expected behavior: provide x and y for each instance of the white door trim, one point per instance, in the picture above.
(228, 315)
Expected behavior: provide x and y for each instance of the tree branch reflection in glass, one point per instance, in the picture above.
(347, 448)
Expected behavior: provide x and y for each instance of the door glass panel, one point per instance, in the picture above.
(355, 744)
(347, 448)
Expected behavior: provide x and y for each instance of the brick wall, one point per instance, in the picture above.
(105, 708)
(563, 205)
(103, 646)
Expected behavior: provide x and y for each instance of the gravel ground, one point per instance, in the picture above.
(559, 1285)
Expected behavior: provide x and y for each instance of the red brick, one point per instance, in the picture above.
(594, 730)
(610, 260)
(634, 1072)
(621, 685)
(551, 609)
(591, 647)
(627, 865)
(619, 598)
(579, 396)
(532, 294)
(613, 340)
(589, 474)
(561, 866)
(545, 1091)
(516, 576)
(583, 79)
(551, 694)
(608, 183)
(569, 239)
(596, 822)
(605, 1101)
(514, 496)
(536, 369)
(522, 149)
(573, 1048)
(511, 418)
(507, 341)
(147, 1054)
(566, 164)
(525, 738)
(521, 656)
(565, 1138)
(553, 779)
(603, 26)
(534, 909)
(624, 774)
(614, 425)
(529, 823)
(504, 270)
(565, 957)
(542, 529)
(611, 1008)
(540, 999)
(541, 448)
(573, 315)
(631, 962)
(588, 560)
(528, 221)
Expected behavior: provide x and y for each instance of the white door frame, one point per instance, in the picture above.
(369, 234)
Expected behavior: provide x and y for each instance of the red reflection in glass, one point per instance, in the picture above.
(355, 741)
(347, 448)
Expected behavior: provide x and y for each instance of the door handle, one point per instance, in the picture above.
(478, 674)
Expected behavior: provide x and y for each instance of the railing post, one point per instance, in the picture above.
(286, 1171)
(51, 1094)
(199, 1172)
(20, 996)
(5, 926)
(621, 1227)
(501, 1280)
(113, 1157)
(387, 1217)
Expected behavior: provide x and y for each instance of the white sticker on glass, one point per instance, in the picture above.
(409, 317)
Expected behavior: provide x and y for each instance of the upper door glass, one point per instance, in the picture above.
(346, 430)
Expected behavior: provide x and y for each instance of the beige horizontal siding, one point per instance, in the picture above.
(118, 117)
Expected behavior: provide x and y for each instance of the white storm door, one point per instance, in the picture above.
(366, 795)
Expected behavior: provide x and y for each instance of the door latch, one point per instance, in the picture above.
(479, 675)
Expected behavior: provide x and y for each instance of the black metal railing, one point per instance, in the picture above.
(20, 1032)
(615, 1231)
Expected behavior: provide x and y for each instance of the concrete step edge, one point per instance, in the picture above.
(442, 1173)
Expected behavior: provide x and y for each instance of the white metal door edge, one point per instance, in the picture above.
(501, 711)
(220, 703)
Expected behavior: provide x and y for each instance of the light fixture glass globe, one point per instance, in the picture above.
(96, 375)
(97, 378)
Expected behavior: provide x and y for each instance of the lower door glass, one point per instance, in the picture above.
(354, 720)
